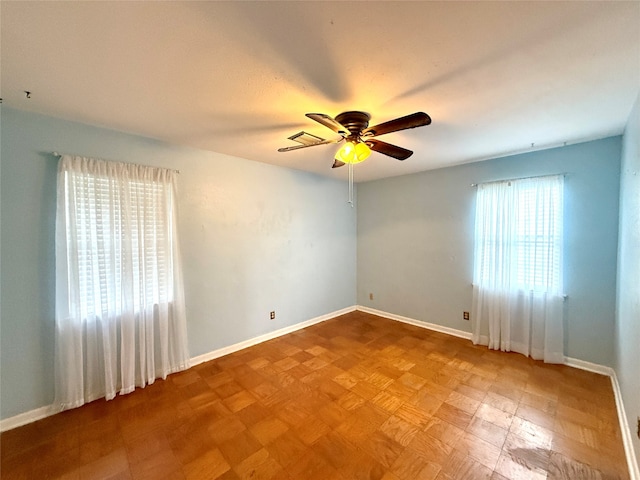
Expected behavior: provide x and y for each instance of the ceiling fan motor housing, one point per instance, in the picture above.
(355, 122)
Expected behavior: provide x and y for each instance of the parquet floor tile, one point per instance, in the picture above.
(355, 397)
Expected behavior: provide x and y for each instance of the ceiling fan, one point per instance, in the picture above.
(354, 128)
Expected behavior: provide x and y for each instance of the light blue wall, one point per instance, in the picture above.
(415, 240)
(255, 238)
(627, 364)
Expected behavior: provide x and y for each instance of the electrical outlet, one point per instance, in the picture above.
(371, 296)
(272, 315)
(465, 315)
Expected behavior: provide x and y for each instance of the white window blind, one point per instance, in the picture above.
(519, 234)
(119, 230)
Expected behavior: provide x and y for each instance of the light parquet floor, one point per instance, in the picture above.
(356, 397)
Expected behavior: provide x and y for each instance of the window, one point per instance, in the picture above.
(118, 230)
(519, 234)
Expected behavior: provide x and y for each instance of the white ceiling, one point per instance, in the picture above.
(238, 77)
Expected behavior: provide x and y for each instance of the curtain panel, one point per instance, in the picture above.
(120, 314)
(517, 288)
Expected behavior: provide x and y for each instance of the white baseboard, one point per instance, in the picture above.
(26, 417)
(627, 439)
(267, 336)
(588, 366)
(46, 411)
(429, 326)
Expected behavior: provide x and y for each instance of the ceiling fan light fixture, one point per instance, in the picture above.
(362, 151)
(353, 152)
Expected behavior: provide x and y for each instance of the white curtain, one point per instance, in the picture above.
(517, 287)
(120, 314)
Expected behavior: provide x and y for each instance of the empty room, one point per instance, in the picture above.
(300, 240)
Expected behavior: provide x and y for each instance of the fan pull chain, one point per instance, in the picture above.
(351, 184)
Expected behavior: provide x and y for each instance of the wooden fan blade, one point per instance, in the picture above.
(414, 120)
(337, 163)
(329, 122)
(297, 147)
(394, 151)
